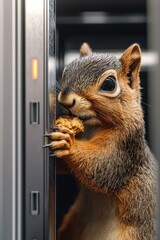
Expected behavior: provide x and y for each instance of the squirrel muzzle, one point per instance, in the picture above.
(77, 105)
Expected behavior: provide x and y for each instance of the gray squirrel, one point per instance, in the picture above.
(110, 159)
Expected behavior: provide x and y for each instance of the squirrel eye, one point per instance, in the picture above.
(109, 84)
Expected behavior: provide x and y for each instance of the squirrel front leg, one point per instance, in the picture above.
(91, 161)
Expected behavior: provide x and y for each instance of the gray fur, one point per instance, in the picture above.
(84, 72)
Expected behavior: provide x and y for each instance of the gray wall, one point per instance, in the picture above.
(154, 77)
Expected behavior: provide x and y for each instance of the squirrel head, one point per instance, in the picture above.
(102, 89)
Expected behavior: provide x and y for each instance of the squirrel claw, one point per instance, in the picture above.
(47, 135)
(47, 145)
(53, 155)
(55, 128)
(50, 134)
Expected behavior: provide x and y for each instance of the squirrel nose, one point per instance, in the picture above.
(66, 99)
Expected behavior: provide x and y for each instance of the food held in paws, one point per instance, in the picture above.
(71, 122)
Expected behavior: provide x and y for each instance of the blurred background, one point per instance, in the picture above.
(111, 26)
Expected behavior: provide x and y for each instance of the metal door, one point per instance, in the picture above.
(39, 116)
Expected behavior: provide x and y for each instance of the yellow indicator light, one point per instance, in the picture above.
(34, 68)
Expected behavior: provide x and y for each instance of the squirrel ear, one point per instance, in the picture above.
(85, 50)
(131, 60)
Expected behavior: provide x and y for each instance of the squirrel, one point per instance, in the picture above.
(110, 159)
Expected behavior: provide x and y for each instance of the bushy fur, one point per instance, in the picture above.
(111, 160)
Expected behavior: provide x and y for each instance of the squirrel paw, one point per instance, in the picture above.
(61, 141)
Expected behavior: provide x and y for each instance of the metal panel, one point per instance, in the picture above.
(39, 90)
(34, 92)
(20, 119)
(8, 120)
